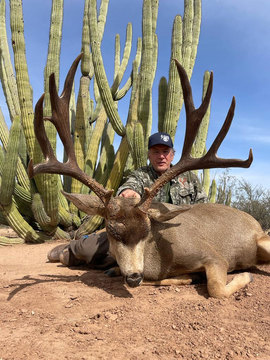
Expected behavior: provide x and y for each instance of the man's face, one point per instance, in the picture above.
(160, 157)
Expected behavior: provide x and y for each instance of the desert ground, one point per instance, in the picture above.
(49, 311)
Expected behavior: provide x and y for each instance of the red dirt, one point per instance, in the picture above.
(49, 311)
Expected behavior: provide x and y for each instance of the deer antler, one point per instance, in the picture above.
(60, 119)
(193, 120)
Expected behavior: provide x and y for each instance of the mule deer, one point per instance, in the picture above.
(160, 242)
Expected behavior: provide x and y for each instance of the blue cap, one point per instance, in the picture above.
(160, 138)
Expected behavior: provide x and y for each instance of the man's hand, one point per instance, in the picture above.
(128, 193)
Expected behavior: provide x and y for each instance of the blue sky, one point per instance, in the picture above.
(234, 44)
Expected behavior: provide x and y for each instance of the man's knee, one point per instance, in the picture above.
(91, 248)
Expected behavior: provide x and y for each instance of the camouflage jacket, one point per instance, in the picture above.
(183, 189)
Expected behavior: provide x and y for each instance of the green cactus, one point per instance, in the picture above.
(213, 192)
(184, 48)
(138, 145)
(104, 89)
(206, 181)
(107, 155)
(199, 145)
(83, 110)
(7, 74)
(40, 200)
(49, 183)
(146, 71)
(22, 77)
(173, 100)
(162, 97)
(10, 163)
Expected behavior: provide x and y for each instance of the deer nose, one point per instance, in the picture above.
(134, 279)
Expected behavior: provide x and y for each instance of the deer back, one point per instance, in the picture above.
(184, 243)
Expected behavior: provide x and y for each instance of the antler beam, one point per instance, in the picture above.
(60, 119)
(193, 120)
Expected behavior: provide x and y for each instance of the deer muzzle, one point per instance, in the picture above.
(134, 279)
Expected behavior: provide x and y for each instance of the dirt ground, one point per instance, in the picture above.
(49, 311)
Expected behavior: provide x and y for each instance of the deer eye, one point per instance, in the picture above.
(116, 230)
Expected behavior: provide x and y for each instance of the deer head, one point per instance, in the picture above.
(128, 221)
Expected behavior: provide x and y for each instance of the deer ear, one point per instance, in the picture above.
(91, 205)
(157, 215)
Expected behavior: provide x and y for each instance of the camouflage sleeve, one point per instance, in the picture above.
(200, 195)
(133, 182)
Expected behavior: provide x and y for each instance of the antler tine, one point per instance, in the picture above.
(193, 116)
(211, 154)
(69, 79)
(60, 119)
(193, 120)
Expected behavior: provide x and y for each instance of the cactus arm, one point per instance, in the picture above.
(10, 163)
(206, 181)
(53, 57)
(122, 92)
(213, 192)
(72, 114)
(189, 38)
(103, 10)
(82, 113)
(4, 133)
(39, 212)
(146, 69)
(154, 67)
(22, 77)
(117, 55)
(5, 241)
(174, 99)
(138, 146)
(9, 85)
(49, 183)
(200, 141)
(5, 86)
(154, 10)
(23, 194)
(187, 32)
(155, 56)
(96, 112)
(44, 221)
(162, 96)
(126, 55)
(82, 110)
(113, 183)
(8, 207)
(133, 108)
(21, 174)
(86, 62)
(104, 89)
(196, 34)
(107, 156)
(92, 151)
(18, 224)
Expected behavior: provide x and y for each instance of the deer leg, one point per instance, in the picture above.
(217, 280)
(185, 279)
(113, 271)
(263, 250)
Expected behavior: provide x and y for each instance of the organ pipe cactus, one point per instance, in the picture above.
(95, 120)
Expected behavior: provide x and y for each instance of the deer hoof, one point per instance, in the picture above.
(134, 279)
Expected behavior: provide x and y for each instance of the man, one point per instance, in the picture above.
(183, 189)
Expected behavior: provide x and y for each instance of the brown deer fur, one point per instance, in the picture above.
(174, 240)
(155, 241)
